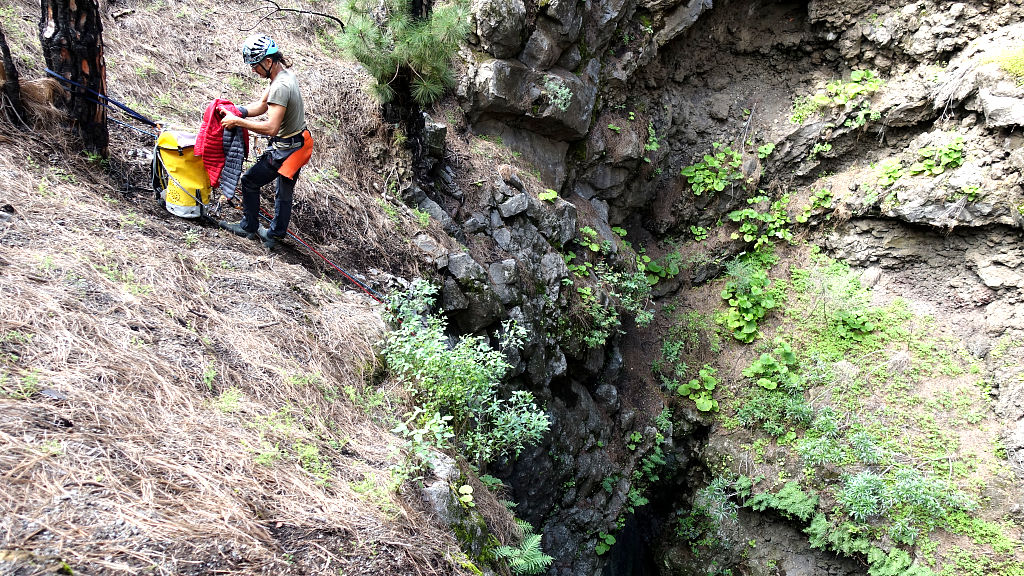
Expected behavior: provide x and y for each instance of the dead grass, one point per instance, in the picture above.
(174, 399)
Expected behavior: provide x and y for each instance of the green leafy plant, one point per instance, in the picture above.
(423, 433)
(615, 128)
(557, 92)
(652, 144)
(466, 496)
(749, 297)
(588, 238)
(209, 375)
(822, 199)
(775, 369)
(854, 324)
(665, 267)
(701, 388)
(456, 388)
(700, 233)
(528, 557)
(229, 400)
(970, 193)
(820, 148)
(765, 150)
(923, 502)
(777, 402)
(634, 440)
(889, 171)
(935, 159)
(548, 195)
(604, 543)
(715, 171)
(422, 217)
(762, 228)
(311, 461)
(403, 51)
(791, 501)
(862, 83)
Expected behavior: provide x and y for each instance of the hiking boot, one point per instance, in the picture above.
(236, 229)
(268, 241)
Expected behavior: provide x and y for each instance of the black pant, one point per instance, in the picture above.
(261, 174)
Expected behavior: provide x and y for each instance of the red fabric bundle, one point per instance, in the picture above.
(210, 140)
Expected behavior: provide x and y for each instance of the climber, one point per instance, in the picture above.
(290, 142)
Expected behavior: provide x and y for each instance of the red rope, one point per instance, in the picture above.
(369, 291)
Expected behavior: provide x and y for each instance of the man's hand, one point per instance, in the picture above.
(229, 120)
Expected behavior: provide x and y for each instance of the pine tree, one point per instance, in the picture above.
(405, 54)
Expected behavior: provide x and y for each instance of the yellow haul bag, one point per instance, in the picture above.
(179, 175)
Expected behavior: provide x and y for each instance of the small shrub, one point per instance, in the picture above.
(935, 159)
(763, 228)
(557, 92)
(749, 296)
(701, 388)
(715, 171)
(456, 387)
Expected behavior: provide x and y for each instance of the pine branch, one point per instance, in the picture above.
(277, 8)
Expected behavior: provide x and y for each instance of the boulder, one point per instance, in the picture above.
(499, 89)
(556, 220)
(514, 206)
(1001, 111)
(465, 269)
(500, 25)
(680, 19)
(545, 154)
(434, 134)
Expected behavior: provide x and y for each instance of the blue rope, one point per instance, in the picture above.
(107, 100)
(129, 126)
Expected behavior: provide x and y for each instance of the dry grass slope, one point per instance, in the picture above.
(174, 400)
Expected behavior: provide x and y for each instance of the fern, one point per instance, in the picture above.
(527, 558)
(791, 502)
(894, 563)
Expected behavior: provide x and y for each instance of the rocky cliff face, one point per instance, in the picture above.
(607, 99)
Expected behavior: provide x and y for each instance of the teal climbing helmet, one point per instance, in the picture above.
(257, 47)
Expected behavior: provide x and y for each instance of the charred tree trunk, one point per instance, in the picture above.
(422, 8)
(71, 34)
(11, 102)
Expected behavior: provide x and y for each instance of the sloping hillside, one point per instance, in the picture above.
(176, 399)
(760, 260)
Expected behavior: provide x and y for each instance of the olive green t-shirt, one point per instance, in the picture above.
(284, 91)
